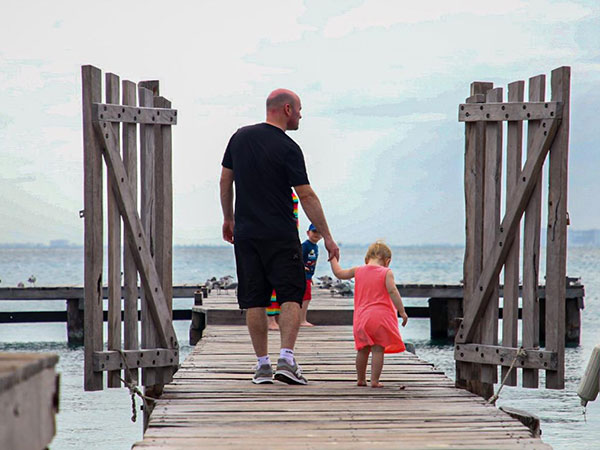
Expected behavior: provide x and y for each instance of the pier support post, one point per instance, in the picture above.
(443, 315)
(573, 307)
(75, 322)
(197, 325)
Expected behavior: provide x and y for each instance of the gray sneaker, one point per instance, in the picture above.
(263, 374)
(290, 374)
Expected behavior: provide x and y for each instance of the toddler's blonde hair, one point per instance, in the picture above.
(378, 250)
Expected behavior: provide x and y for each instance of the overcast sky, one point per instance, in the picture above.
(380, 82)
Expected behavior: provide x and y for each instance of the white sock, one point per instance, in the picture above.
(287, 354)
(262, 360)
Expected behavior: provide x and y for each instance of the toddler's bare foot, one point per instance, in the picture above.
(306, 324)
(273, 327)
(361, 383)
(376, 384)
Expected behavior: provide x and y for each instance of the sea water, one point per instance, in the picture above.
(102, 420)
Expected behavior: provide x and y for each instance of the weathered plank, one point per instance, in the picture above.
(510, 312)
(556, 241)
(531, 243)
(147, 198)
(212, 403)
(130, 275)
(493, 111)
(135, 114)
(492, 188)
(92, 170)
(114, 245)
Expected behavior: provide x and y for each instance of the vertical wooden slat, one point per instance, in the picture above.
(114, 247)
(163, 217)
(491, 221)
(474, 174)
(92, 169)
(531, 244)
(556, 243)
(129, 270)
(510, 312)
(149, 338)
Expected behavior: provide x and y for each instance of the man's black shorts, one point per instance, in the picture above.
(264, 265)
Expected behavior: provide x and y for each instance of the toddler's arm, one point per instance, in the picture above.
(342, 274)
(390, 284)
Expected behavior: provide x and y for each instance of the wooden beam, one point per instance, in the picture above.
(510, 313)
(135, 114)
(130, 275)
(466, 373)
(498, 111)
(556, 241)
(492, 188)
(114, 244)
(147, 198)
(493, 354)
(141, 251)
(134, 359)
(531, 243)
(542, 140)
(91, 79)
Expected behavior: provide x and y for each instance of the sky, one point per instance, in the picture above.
(380, 83)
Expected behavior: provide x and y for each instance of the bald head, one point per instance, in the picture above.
(280, 97)
(283, 109)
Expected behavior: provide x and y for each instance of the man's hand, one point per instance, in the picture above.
(332, 249)
(228, 231)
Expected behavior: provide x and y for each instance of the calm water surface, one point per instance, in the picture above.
(102, 419)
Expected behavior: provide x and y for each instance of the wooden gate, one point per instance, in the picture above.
(493, 243)
(147, 245)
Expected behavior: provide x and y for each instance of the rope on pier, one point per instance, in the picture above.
(133, 391)
(520, 353)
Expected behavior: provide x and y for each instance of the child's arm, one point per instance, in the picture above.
(342, 274)
(390, 284)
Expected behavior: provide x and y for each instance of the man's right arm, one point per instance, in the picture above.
(313, 209)
(226, 188)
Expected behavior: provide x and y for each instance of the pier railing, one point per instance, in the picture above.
(493, 243)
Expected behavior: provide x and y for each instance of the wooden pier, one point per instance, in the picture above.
(211, 402)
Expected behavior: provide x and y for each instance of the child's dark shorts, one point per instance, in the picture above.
(264, 265)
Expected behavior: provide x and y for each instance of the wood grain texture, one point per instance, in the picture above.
(556, 241)
(114, 243)
(91, 78)
(130, 275)
(211, 402)
(510, 313)
(531, 244)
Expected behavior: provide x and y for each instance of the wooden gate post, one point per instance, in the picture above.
(92, 170)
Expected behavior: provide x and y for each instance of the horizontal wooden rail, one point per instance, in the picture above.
(134, 114)
(187, 291)
(492, 354)
(493, 112)
(112, 360)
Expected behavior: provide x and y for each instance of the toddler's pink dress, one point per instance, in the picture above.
(375, 316)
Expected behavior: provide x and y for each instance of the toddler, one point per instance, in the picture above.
(376, 300)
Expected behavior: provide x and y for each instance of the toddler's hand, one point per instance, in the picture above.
(404, 319)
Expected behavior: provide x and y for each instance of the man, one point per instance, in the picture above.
(265, 163)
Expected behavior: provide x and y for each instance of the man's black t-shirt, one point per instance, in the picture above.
(266, 163)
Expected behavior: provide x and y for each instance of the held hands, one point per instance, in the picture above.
(332, 249)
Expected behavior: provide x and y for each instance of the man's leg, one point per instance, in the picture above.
(289, 324)
(256, 319)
